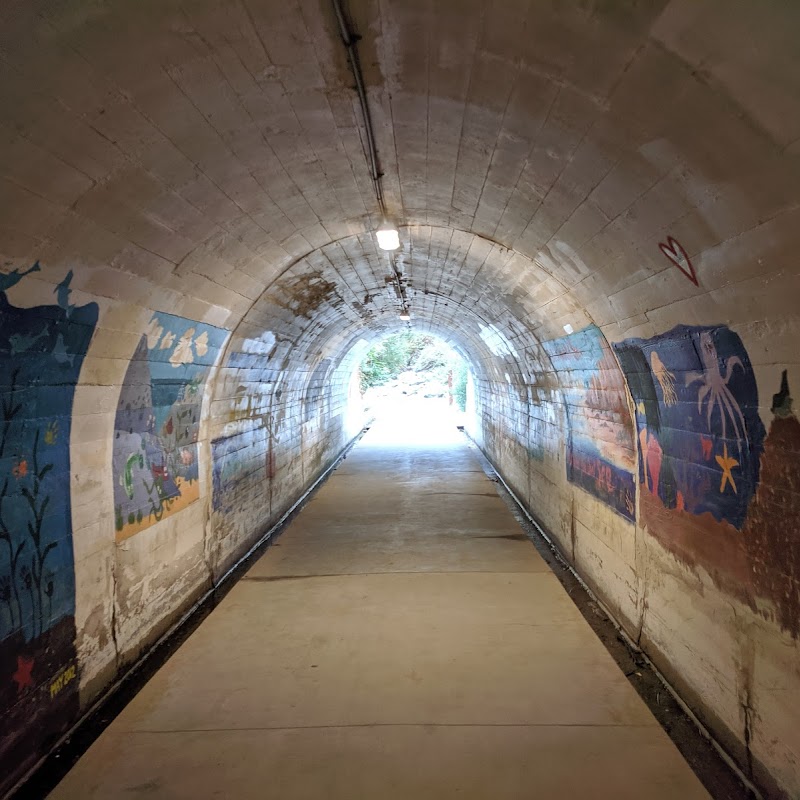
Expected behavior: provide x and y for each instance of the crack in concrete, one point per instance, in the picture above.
(468, 494)
(113, 626)
(358, 725)
(274, 578)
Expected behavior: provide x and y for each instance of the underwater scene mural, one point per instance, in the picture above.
(716, 489)
(700, 435)
(157, 424)
(601, 454)
(41, 353)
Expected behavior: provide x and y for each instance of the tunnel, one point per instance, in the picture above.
(598, 206)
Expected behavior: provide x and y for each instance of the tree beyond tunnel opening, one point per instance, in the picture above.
(417, 377)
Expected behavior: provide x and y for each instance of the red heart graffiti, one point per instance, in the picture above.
(678, 256)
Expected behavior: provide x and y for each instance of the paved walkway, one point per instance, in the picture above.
(402, 640)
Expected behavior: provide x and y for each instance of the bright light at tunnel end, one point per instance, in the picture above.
(388, 237)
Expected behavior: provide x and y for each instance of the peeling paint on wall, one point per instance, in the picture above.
(306, 293)
(600, 445)
(497, 342)
(233, 463)
(155, 457)
(772, 528)
(41, 353)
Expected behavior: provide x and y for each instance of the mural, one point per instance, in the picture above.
(155, 457)
(232, 463)
(600, 445)
(700, 435)
(715, 490)
(41, 353)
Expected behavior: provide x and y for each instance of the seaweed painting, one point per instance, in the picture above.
(158, 421)
(41, 353)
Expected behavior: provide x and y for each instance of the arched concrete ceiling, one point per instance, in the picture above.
(534, 155)
(458, 285)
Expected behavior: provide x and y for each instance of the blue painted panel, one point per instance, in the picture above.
(700, 435)
(41, 353)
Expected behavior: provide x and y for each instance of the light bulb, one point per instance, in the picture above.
(388, 237)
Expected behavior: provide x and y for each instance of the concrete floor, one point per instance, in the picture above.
(402, 639)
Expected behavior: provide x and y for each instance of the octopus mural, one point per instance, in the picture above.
(716, 489)
(699, 432)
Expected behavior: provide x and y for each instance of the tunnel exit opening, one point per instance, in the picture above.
(416, 387)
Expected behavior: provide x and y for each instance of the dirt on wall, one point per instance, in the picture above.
(772, 529)
(305, 293)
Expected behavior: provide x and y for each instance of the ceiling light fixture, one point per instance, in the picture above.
(388, 237)
(405, 315)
